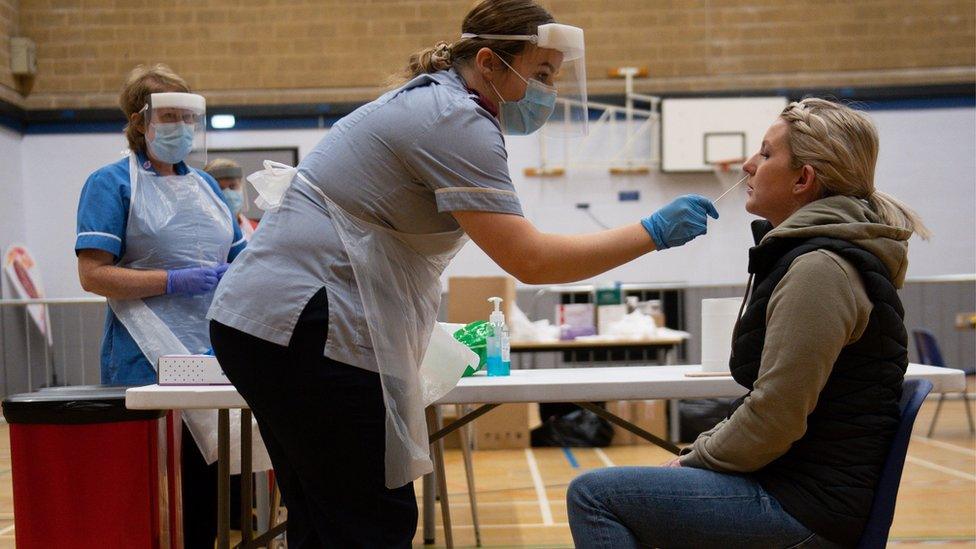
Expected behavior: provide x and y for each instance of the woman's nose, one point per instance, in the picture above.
(750, 166)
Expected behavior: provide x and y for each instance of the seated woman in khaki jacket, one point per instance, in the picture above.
(821, 346)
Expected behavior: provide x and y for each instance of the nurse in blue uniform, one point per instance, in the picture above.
(155, 236)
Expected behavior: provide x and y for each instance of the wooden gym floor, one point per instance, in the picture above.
(521, 493)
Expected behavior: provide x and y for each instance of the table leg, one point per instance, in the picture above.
(262, 499)
(428, 484)
(674, 419)
(629, 426)
(246, 533)
(438, 454)
(674, 405)
(223, 479)
(469, 474)
(428, 511)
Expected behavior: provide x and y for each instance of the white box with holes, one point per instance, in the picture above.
(190, 370)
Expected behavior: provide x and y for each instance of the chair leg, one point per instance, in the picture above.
(969, 412)
(938, 408)
(469, 473)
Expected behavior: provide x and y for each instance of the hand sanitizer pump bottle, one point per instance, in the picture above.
(498, 346)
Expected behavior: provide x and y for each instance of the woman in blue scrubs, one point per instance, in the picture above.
(154, 237)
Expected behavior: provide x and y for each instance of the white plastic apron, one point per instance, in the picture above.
(176, 222)
(398, 275)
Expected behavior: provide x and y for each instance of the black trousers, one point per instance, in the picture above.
(323, 423)
(199, 482)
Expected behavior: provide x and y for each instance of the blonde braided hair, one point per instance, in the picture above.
(841, 145)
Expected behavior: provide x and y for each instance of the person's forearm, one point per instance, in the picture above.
(122, 283)
(556, 258)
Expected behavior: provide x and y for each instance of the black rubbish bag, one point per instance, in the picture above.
(581, 428)
(698, 416)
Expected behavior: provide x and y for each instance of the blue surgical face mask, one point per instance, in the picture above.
(235, 199)
(530, 113)
(172, 142)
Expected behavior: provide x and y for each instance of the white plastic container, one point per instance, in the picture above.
(190, 370)
(718, 320)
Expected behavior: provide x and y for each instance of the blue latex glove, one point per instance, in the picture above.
(680, 221)
(221, 269)
(191, 281)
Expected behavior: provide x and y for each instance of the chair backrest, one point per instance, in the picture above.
(927, 347)
(875, 533)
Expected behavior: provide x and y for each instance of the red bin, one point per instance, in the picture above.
(87, 472)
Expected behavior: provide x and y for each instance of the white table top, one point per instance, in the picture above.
(592, 384)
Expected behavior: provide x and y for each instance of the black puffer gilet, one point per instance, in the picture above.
(826, 480)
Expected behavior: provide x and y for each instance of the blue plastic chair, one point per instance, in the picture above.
(875, 533)
(929, 353)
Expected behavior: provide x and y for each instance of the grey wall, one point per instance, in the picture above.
(26, 360)
(933, 306)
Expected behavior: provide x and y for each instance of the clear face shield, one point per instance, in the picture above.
(570, 115)
(176, 128)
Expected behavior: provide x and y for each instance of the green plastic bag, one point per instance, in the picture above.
(475, 336)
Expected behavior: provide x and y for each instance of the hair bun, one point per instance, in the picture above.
(441, 55)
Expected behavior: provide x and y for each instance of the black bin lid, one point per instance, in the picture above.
(74, 405)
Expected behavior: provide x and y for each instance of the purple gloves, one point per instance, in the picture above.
(194, 280)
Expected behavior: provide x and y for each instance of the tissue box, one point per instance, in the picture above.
(606, 315)
(575, 320)
(190, 370)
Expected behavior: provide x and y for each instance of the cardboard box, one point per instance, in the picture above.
(650, 415)
(505, 427)
(467, 297)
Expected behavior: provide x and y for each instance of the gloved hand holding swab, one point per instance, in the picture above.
(727, 191)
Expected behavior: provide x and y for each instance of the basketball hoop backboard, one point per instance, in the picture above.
(697, 133)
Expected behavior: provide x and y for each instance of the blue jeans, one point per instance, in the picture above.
(623, 507)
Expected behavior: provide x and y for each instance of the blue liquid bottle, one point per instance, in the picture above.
(498, 346)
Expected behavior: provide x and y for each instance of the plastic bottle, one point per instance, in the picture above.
(499, 348)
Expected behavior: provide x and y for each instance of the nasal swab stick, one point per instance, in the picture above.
(721, 196)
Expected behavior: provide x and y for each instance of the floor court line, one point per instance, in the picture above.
(540, 488)
(944, 445)
(499, 526)
(7, 530)
(503, 503)
(940, 468)
(603, 457)
(570, 457)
